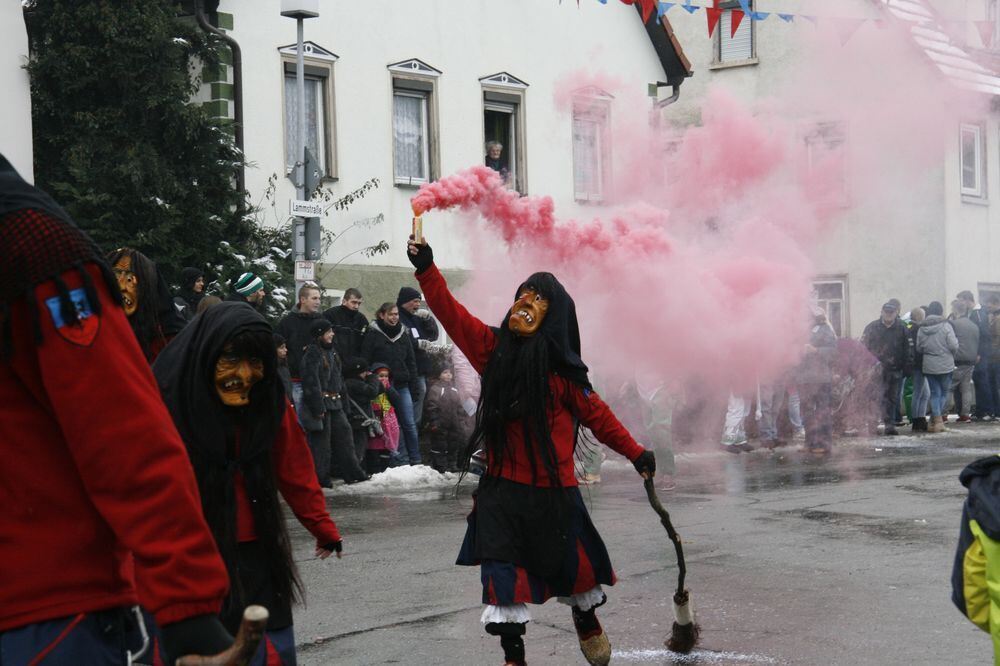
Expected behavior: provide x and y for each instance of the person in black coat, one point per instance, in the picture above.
(424, 331)
(447, 421)
(886, 339)
(362, 388)
(388, 341)
(296, 327)
(349, 324)
(322, 415)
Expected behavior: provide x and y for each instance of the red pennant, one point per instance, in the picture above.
(846, 27)
(985, 32)
(647, 7)
(713, 16)
(737, 18)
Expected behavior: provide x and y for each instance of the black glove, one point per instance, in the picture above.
(423, 259)
(334, 547)
(646, 462)
(200, 635)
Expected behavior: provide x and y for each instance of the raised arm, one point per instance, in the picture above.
(473, 337)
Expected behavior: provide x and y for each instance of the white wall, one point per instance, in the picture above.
(15, 118)
(534, 41)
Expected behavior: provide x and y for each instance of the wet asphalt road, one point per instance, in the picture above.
(791, 560)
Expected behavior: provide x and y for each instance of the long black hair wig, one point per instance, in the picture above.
(155, 318)
(515, 383)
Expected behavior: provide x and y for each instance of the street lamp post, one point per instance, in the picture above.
(300, 10)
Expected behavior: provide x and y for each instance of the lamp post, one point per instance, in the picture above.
(300, 10)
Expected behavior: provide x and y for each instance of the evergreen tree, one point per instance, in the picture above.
(118, 141)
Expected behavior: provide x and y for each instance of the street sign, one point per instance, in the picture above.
(300, 208)
(305, 271)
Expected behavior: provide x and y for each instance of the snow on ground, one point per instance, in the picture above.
(403, 479)
(695, 657)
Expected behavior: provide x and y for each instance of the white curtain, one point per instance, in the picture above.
(314, 119)
(408, 134)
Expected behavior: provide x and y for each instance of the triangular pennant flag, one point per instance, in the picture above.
(603, 2)
(690, 8)
(759, 16)
(846, 27)
(735, 20)
(745, 6)
(811, 19)
(985, 32)
(663, 7)
(787, 18)
(713, 14)
(647, 9)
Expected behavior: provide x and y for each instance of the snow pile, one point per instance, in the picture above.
(405, 478)
(696, 657)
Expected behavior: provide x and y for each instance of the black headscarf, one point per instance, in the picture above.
(189, 276)
(185, 372)
(156, 317)
(40, 248)
(515, 382)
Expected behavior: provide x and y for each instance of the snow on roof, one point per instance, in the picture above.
(951, 59)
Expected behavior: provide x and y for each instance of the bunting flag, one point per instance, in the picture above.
(985, 29)
(846, 27)
(787, 18)
(745, 6)
(691, 9)
(736, 17)
(647, 7)
(713, 14)
(757, 16)
(810, 18)
(663, 7)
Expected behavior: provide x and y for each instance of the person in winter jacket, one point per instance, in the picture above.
(281, 350)
(886, 339)
(101, 508)
(976, 572)
(248, 288)
(323, 417)
(349, 324)
(446, 419)
(921, 396)
(362, 388)
(815, 382)
(296, 327)
(383, 448)
(937, 342)
(993, 306)
(424, 330)
(219, 380)
(388, 341)
(529, 531)
(192, 291)
(966, 357)
(981, 375)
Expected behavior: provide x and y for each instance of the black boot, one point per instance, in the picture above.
(511, 640)
(439, 461)
(919, 424)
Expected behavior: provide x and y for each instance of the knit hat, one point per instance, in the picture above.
(319, 327)
(247, 284)
(279, 340)
(406, 294)
(378, 365)
(354, 366)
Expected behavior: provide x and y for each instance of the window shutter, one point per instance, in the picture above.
(739, 46)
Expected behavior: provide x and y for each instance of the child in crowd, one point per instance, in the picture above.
(363, 388)
(382, 449)
(446, 419)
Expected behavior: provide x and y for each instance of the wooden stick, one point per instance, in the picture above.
(245, 646)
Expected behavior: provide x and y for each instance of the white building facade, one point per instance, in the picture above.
(15, 119)
(410, 92)
(949, 238)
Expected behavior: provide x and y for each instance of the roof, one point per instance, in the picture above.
(676, 66)
(953, 60)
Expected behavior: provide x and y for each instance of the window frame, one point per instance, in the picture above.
(845, 311)
(415, 78)
(833, 135)
(320, 67)
(717, 61)
(505, 89)
(975, 194)
(594, 106)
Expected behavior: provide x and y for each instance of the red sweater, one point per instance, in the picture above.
(572, 402)
(296, 476)
(100, 505)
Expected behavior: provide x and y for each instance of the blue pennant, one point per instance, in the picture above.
(690, 9)
(663, 7)
(745, 6)
(759, 16)
(787, 18)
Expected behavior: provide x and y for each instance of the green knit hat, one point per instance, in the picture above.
(247, 284)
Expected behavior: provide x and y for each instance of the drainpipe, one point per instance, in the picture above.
(663, 103)
(199, 13)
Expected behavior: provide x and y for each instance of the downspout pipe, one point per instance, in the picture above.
(199, 13)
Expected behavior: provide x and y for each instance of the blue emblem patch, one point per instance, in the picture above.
(81, 332)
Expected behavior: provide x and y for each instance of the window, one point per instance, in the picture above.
(503, 123)
(986, 291)
(826, 157)
(830, 294)
(591, 144)
(319, 106)
(414, 122)
(735, 47)
(971, 156)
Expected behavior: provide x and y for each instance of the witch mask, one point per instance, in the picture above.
(528, 312)
(127, 283)
(235, 375)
